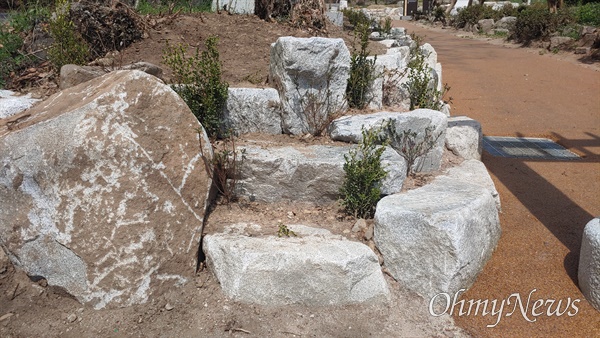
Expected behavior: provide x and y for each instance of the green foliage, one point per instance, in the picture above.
(362, 71)
(18, 24)
(357, 17)
(420, 85)
(285, 231)
(173, 6)
(439, 14)
(408, 144)
(68, 46)
(588, 14)
(197, 80)
(472, 14)
(10, 58)
(361, 190)
(536, 22)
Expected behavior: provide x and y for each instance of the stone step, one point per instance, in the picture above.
(312, 267)
(272, 173)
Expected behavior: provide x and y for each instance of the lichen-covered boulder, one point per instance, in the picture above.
(103, 189)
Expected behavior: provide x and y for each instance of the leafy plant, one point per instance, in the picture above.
(421, 88)
(198, 81)
(362, 71)
(285, 231)
(356, 17)
(589, 14)
(68, 46)
(536, 22)
(19, 23)
(408, 145)
(361, 189)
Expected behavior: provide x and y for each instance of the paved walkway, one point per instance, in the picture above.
(518, 92)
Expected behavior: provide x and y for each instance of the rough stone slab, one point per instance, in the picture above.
(348, 129)
(309, 69)
(253, 110)
(475, 172)
(404, 52)
(464, 137)
(316, 268)
(437, 238)
(486, 25)
(589, 263)
(12, 104)
(306, 173)
(103, 189)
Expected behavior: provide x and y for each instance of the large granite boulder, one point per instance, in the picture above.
(103, 189)
(349, 129)
(464, 137)
(272, 173)
(253, 110)
(314, 268)
(311, 75)
(589, 263)
(437, 238)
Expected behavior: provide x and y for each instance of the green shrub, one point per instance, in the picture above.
(588, 14)
(422, 91)
(356, 17)
(537, 23)
(472, 14)
(10, 58)
(197, 80)
(361, 190)
(68, 46)
(11, 41)
(362, 71)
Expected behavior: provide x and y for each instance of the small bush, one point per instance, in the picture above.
(361, 190)
(356, 17)
(472, 14)
(19, 24)
(68, 46)
(422, 91)
(537, 23)
(197, 80)
(588, 14)
(362, 71)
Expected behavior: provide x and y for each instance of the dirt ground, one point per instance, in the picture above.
(511, 91)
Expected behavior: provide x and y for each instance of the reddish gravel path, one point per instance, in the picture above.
(513, 92)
